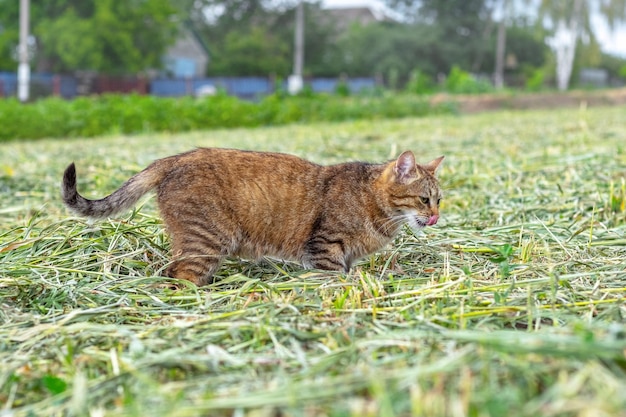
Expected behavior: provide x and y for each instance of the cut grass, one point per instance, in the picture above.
(512, 305)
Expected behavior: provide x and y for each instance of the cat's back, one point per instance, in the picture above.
(252, 180)
(261, 174)
(235, 167)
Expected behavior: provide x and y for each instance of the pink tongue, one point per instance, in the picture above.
(432, 220)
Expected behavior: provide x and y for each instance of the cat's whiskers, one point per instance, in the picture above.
(392, 224)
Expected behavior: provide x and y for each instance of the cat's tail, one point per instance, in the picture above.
(122, 199)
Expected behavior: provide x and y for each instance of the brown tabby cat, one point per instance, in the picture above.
(221, 202)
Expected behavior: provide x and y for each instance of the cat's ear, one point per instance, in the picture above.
(433, 165)
(404, 169)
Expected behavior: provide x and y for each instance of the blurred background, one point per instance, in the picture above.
(253, 47)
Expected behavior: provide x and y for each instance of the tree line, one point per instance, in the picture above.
(523, 41)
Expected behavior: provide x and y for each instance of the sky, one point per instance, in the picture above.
(612, 42)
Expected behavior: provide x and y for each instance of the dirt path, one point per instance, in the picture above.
(487, 102)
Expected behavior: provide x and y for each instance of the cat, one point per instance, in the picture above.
(225, 202)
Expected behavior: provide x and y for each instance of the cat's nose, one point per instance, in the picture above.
(433, 220)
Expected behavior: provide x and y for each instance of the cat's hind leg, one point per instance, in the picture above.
(196, 254)
(197, 268)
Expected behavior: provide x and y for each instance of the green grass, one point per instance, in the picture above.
(512, 305)
(133, 114)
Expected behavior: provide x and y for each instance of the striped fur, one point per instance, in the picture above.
(224, 202)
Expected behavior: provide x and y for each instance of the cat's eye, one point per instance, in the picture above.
(438, 201)
(425, 200)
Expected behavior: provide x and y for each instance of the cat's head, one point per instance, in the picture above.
(413, 192)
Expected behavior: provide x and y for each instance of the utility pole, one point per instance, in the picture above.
(23, 69)
(295, 82)
(498, 76)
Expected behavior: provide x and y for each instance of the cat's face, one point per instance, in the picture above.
(414, 192)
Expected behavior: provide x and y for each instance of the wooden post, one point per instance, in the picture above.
(56, 85)
(188, 86)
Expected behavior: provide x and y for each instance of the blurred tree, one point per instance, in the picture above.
(392, 50)
(320, 35)
(9, 34)
(616, 66)
(250, 52)
(396, 50)
(525, 51)
(510, 13)
(459, 29)
(570, 20)
(108, 36)
(256, 37)
(525, 45)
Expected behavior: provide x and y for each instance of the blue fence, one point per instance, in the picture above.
(243, 87)
(329, 85)
(247, 87)
(41, 85)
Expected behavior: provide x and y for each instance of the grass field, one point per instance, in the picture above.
(512, 305)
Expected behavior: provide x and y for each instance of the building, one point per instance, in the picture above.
(188, 57)
(345, 16)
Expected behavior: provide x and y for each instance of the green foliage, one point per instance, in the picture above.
(460, 81)
(536, 79)
(112, 37)
(458, 27)
(622, 72)
(54, 384)
(388, 49)
(250, 54)
(503, 255)
(392, 50)
(617, 197)
(526, 44)
(9, 34)
(525, 49)
(441, 35)
(342, 89)
(420, 83)
(107, 114)
(253, 37)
